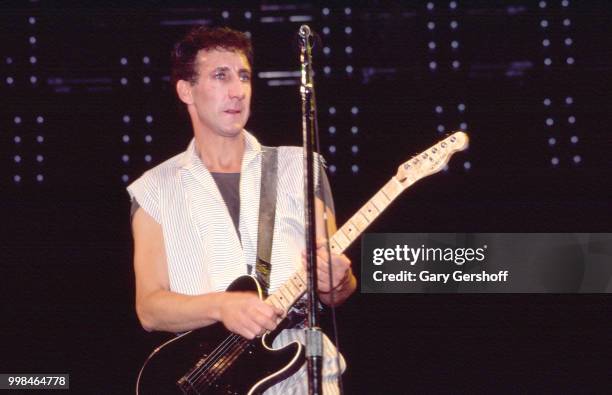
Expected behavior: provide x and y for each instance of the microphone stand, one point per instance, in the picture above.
(314, 336)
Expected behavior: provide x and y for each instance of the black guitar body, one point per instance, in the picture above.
(212, 360)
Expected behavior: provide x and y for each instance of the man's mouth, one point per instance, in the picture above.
(232, 111)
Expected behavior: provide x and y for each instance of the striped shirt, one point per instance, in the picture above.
(203, 251)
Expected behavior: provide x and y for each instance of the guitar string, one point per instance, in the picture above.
(214, 356)
(211, 377)
(208, 377)
(232, 357)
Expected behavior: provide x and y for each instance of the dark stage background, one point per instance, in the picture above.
(87, 107)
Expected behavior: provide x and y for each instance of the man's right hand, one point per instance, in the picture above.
(247, 315)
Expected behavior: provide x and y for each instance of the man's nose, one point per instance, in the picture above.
(237, 89)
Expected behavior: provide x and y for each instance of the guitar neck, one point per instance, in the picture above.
(289, 293)
(359, 222)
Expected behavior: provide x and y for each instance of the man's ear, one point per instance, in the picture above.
(183, 90)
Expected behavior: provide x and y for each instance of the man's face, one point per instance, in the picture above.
(222, 94)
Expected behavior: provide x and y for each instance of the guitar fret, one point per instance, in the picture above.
(287, 287)
(350, 230)
(281, 299)
(376, 201)
(370, 211)
(298, 278)
(392, 189)
(284, 295)
(295, 291)
(341, 238)
(335, 247)
(275, 302)
(301, 275)
(384, 193)
(291, 290)
(300, 286)
(360, 221)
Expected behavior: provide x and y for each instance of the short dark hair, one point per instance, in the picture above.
(186, 51)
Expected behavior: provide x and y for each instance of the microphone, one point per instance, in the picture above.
(305, 31)
(308, 38)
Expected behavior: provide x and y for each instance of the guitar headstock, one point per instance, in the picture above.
(431, 160)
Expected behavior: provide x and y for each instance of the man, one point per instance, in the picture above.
(195, 216)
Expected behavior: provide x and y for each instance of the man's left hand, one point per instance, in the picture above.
(340, 267)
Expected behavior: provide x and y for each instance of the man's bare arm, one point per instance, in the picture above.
(158, 308)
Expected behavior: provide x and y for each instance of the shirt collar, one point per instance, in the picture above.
(190, 157)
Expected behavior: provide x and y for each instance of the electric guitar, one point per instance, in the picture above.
(212, 360)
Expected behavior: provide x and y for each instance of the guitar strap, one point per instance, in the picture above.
(267, 211)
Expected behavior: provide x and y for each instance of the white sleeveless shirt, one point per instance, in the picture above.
(203, 251)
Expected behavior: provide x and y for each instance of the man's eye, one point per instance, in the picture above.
(220, 76)
(245, 78)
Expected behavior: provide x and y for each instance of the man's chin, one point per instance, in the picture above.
(232, 132)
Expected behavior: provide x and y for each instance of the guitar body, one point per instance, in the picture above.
(212, 360)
